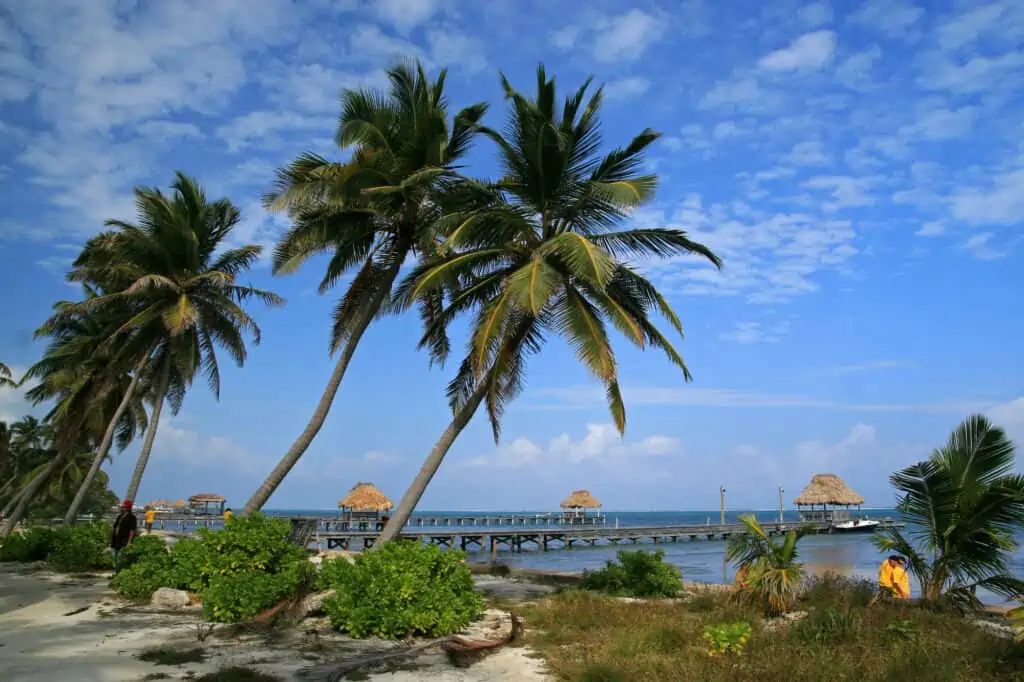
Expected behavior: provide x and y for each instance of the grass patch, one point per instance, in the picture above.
(587, 637)
(169, 656)
(237, 674)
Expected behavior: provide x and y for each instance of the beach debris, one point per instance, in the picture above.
(169, 598)
(1003, 631)
(77, 611)
(313, 604)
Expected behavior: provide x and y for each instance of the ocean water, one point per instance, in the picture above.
(702, 560)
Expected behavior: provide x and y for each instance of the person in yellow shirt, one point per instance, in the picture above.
(893, 580)
(150, 517)
(228, 514)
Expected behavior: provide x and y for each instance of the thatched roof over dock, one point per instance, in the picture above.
(828, 489)
(203, 498)
(365, 497)
(580, 499)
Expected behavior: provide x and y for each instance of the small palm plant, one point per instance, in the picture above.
(964, 503)
(6, 380)
(772, 574)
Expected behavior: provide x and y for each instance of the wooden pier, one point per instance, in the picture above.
(562, 538)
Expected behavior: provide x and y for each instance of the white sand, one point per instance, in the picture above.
(39, 641)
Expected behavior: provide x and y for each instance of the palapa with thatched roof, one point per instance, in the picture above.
(825, 491)
(207, 503)
(576, 505)
(363, 505)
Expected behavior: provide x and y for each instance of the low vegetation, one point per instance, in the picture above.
(404, 589)
(636, 574)
(587, 637)
(71, 549)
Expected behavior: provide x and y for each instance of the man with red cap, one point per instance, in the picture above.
(124, 530)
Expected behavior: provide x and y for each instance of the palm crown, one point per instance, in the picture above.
(534, 252)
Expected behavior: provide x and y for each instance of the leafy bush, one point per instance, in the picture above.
(332, 572)
(32, 544)
(829, 625)
(702, 603)
(80, 548)
(146, 567)
(637, 574)
(240, 596)
(403, 589)
(902, 629)
(727, 638)
(145, 548)
(252, 543)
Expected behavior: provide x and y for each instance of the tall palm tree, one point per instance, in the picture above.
(772, 574)
(535, 253)
(372, 212)
(6, 379)
(963, 505)
(171, 269)
(178, 285)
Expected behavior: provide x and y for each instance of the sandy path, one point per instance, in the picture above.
(43, 638)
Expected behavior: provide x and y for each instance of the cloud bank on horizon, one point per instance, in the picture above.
(861, 173)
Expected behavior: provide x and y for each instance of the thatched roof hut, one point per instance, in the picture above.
(580, 499)
(207, 503)
(365, 497)
(203, 498)
(828, 489)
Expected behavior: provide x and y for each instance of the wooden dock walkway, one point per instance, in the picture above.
(562, 538)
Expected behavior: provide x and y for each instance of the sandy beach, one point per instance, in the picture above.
(56, 627)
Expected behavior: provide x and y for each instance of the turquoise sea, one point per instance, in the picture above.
(703, 560)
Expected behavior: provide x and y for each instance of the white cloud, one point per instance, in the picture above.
(449, 47)
(1010, 417)
(892, 17)
(565, 38)
(855, 71)
(941, 124)
(935, 228)
(815, 14)
(840, 370)
(13, 404)
(265, 128)
(811, 51)
(380, 457)
(167, 129)
(602, 443)
(1000, 203)
(626, 36)
(727, 129)
(980, 246)
(189, 448)
(825, 457)
(978, 74)
(1002, 19)
(807, 153)
(406, 14)
(743, 92)
(846, 191)
(626, 88)
(754, 332)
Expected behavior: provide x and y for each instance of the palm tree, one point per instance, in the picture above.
(535, 254)
(963, 505)
(180, 292)
(772, 574)
(372, 212)
(6, 380)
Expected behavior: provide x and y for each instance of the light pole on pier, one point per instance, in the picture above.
(721, 493)
(781, 518)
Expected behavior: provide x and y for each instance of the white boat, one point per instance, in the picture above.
(856, 526)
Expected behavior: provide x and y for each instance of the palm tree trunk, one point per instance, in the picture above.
(154, 422)
(108, 440)
(316, 422)
(412, 496)
(28, 494)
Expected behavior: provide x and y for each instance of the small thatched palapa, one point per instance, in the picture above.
(364, 497)
(203, 498)
(828, 489)
(580, 499)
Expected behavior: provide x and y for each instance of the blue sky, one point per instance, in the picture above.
(860, 172)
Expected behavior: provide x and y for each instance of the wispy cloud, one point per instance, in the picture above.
(839, 370)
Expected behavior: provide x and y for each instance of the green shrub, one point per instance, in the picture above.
(702, 603)
(727, 638)
(833, 589)
(251, 543)
(80, 548)
(637, 574)
(240, 596)
(146, 567)
(403, 589)
(32, 544)
(332, 572)
(145, 548)
(829, 625)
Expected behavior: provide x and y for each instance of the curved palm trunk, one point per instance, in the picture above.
(412, 496)
(316, 422)
(28, 494)
(154, 422)
(108, 440)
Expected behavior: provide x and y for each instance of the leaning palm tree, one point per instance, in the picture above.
(6, 379)
(772, 574)
(536, 254)
(178, 285)
(963, 505)
(370, 213)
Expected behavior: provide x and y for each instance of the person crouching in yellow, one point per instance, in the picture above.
(893, 580)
